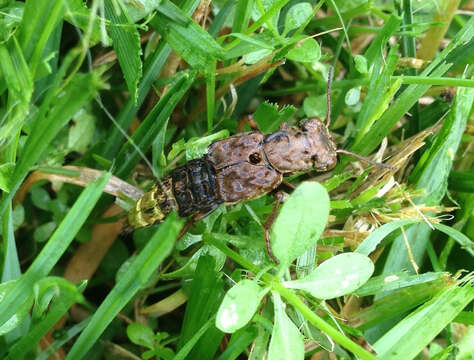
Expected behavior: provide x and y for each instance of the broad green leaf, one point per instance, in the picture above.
(190, 41)
(255, 56)
(361, 64)
(239, 305)
(81, 131)
(352, 96)
(300, 223)
(305, 50)
(269, 118)
(137, 275)
(190, 266)
(408, 338)
(44, 231)
(340, 275)
(297, 15)
(286, 342)
(141, 334)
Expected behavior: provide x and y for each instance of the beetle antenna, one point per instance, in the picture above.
(328, 97)
(367, 160)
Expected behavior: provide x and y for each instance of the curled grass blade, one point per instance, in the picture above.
(54, 249)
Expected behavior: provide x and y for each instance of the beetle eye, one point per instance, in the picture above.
(255, 158)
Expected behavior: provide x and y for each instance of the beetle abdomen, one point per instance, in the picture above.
(188, 189)
(195, 187)
(154, 205)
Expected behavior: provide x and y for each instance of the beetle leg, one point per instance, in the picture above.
(195, 218)
(249, 120)
(288, 184)
(269, 222)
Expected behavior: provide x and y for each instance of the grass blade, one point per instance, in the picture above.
(412, 334)
(137, 275)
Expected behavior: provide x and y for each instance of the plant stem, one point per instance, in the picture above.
(294, 300)
(439, 80)
(433, 37)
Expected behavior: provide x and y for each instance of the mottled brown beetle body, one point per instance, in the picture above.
(242, 167)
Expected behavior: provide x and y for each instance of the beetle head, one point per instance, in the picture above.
(301, 148)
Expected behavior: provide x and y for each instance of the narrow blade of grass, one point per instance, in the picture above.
(205, 296)
(379, 94)
(242, 15)
(126, 42)
(373, 51)
(137, 275)
(396, 304)
(412, 334)
(149, 129)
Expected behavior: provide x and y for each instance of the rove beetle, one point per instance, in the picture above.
(240, 168)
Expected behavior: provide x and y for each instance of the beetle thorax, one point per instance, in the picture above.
(301, 148)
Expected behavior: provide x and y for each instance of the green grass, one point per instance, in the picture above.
(373, 264)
